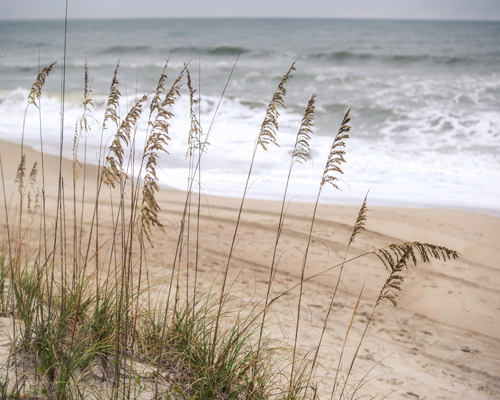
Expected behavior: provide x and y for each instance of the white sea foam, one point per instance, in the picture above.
(411, 173)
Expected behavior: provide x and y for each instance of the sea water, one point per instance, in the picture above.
(424, 99)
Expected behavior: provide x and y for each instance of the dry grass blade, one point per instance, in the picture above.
(157, 142)
(301, 150)
(113, 169)
(113, 101)
(336, 155)
(336, 381)
(36, 89)
(269, 126)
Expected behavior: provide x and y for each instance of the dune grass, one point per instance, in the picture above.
(86, 320)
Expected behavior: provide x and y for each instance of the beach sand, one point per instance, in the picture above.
(442, 341)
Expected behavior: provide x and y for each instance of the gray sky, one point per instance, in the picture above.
(406, 9)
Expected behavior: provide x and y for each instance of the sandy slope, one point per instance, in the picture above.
(441, 342)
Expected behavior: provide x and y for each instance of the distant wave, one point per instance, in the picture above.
(342, 55)
(228, 50)
(457, 60)
(409, 59)
(125, 49)
(396, 58)
(216, 51)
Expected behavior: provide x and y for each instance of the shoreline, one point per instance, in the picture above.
(382, 203)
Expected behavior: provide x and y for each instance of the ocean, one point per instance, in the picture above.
(424, 99)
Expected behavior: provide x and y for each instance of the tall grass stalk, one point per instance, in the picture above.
(333, 163)
(300, 154)
(267, 136)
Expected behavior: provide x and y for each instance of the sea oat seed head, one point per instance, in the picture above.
(301, 150)
(269, 126)
(36, 89)
(336, 156)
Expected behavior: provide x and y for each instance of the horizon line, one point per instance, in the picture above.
(248, 18)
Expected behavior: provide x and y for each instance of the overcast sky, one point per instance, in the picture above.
(406, 9)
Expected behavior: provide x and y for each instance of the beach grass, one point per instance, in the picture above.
(87, 320)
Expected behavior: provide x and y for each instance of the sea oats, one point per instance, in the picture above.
(156, 142)
(87, 102)
(269, 126)
(195, 131)
(360, 221)
(33, 173)
(394, 281)
(161, 125)
(160, 88)
(82, 124)
(76, 162)
(301, 150)
(113, 101)
(29, 203)
(114, 161)
(397, 256)
(114, 323)
(390, 255)
(36, 89)
(21, 170)
(336, 155)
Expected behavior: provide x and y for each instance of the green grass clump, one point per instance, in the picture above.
(87, 322)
